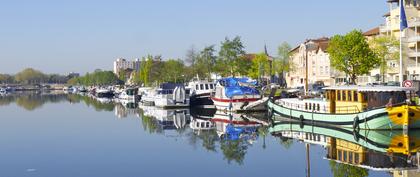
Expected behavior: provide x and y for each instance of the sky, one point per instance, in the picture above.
(81, 36)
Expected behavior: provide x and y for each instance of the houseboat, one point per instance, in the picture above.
(357, 107)
(234, 94)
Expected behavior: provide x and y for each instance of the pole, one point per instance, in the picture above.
(401, 60)
(308, 163)
(401, 55)
(306, 70)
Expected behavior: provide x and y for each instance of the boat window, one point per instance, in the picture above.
(317, 107)
(310, 106)
(196, 86)
(339, 155)
(338, 95)
(349, 97)
(201, 87)
(345, 156)
(344, 95)
(356, 158)
(306, 106)
(211, 86)
(355, 96)
(313, 106)
(207, 86)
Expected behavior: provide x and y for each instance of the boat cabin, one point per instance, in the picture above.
(353, 99)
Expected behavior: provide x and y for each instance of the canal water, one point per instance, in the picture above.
(57, 134)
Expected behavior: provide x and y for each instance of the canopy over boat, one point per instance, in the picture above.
(370, 88)
(238, 86)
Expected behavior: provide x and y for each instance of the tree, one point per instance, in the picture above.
(30, 76)
(260, 66)
(206, 61)
(6, 79)
(386, 48)
(229, 54)
(352, 55)
(173, 70)
(281, 63)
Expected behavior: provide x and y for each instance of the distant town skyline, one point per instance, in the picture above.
(81, 36)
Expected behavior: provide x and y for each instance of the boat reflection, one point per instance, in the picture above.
(168, 119)
(391, 151)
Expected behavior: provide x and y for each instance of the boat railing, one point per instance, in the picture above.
(316, 107)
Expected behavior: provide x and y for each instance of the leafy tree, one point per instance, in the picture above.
(96, 78)
(173, 70)
(344, 170)
(6, 79)
(206, 62)
(234, 150)
(281, 63)
(260, 66)
(229, 54)
(30, 76)
(386, 48)
(352, 55)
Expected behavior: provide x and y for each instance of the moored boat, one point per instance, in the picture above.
(130, 94)
(356, 107)
(233, 94)
(200, 92)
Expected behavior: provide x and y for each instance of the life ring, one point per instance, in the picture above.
(356, 124)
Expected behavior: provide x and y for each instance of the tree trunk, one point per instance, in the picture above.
(353, 78)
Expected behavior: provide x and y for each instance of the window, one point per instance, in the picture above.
(317, 107)
(350, 157)
(207, 86)
(345, 156)
(313, 106)
(338, 95)
(196, 87)
(306, 106)
(355, 96)
(211, 86)
(344, 95)
(339, 155)
(349, 95)
(321, 69)
(356, 158)
(201, 87)
(310, 106)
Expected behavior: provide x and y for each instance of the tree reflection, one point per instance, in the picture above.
(234, 150)
(344, 170)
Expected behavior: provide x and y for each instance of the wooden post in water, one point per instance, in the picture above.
(308, 162)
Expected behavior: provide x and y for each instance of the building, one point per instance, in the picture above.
(122, 64)
(319, 69)
(410, 37)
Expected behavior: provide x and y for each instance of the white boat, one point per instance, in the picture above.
(104, 93)
(171, 95)
(200, 92)
(234, 126)
(234, 94)
(168, 119)
(129, 94)
(148, 96)
(3, 90)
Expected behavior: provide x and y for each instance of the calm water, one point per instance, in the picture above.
(55, 134)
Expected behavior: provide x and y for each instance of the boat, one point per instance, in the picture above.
(104, 93)
(379, 150)
(354, 107)
(234, 126)
(3, 90)
(233, 94)
(129, 94)
(171, 95)
(147, 96)
(168, 119)
(200, 92)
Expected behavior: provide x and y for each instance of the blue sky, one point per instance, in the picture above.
(81, 35)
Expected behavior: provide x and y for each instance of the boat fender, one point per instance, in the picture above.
(356, 135)
(356, 123)
(301, 119)
(270, 112)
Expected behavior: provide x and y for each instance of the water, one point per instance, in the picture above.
(55, 134)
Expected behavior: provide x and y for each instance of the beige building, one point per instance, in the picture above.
(319, 69)
(410, 38)
(122, 64)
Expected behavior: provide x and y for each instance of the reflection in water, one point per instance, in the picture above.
(353, 153)
(232, 135)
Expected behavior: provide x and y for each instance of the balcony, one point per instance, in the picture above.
(413, 54)
(384, 28)
(413, 39)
